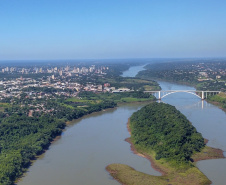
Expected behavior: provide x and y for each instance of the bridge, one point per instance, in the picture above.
(201, 94)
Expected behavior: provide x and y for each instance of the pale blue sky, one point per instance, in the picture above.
(92, 29)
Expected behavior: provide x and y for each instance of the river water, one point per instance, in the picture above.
(208, 120)
(88, 145)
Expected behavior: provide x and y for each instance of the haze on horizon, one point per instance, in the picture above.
(57, 29)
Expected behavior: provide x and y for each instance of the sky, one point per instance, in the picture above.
(99, 29)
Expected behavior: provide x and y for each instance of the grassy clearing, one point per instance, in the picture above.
(219, 100)
(173, 174)
(67, 106)
(223, 95)
(135, 80)
(127, 175)
(128, 100)
(149, 88)
(3, 106)
(208, 153)
(77, 100)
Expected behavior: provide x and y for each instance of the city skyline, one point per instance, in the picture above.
(57, 30)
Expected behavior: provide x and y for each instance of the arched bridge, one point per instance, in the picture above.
(200, 94)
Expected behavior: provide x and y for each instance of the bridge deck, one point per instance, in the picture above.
(181, 91)
(200, 94)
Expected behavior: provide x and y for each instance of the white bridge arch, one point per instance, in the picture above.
(200, 94)
(168, 93)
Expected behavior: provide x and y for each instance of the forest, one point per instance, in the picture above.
(163, 129)
(207, 75)
(22, 138)
(219, 99)
(200, 74)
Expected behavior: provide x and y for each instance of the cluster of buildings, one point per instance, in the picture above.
(20, 85)
(65, 81)
(209, 72)
(204, 70)
(55, 70)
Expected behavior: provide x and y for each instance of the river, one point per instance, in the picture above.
(208, 120)
(89, 144)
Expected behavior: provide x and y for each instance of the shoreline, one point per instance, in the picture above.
(55, 139)
(134, 150)
(215, 153)
(153, 165)
(218, 104)
(168, 173)
(67, 125)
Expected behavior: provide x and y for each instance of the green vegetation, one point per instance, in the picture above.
(3, 106)
(35, 110)
(132, 83)
(219, 99)
(166, 131)
(204, 76)
(22, 137)
(164, 135)
(129, 176)
(116, 97)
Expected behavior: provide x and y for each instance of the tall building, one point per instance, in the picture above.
(60, 72)
(67, 68)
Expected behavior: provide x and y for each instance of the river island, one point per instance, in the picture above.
(163, 135)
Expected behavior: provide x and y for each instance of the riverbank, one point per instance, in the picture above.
(218, 100)
(218, 104)
(170, 174)
(194, 85)
(68, 123)
(168, 80)
(58, 137)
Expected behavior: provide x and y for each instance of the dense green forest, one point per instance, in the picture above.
(219, 98)
(165, 130)
(22, 138)
(201, 74)
(164, 136)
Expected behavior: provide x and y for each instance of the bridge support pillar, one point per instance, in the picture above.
(203, 96)
(159, 95)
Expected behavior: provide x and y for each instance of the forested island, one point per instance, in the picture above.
(36, 103)
(165, 136)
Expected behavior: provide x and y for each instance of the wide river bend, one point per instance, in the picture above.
(88, 145)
